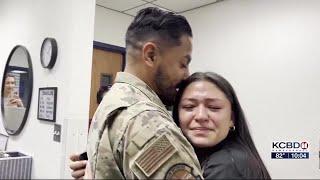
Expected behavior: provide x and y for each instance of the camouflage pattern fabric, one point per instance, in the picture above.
(133, 136)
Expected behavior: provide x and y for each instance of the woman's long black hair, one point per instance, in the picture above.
(241, 133)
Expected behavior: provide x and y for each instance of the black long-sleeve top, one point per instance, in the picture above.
(229, 160)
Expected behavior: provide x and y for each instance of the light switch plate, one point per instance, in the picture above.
(57, 132)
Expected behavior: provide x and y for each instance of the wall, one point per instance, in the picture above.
(269, 51)
(111, 26)
(71, 22)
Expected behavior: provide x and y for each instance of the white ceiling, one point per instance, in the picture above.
(131, 7)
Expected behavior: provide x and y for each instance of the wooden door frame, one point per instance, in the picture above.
(112, 48)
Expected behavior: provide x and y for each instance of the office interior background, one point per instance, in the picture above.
(267, 49)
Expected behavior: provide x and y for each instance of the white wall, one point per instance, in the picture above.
(71, 22)
(111, 26)
(269, 51)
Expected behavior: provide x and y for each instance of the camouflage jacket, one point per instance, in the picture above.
(133, 136)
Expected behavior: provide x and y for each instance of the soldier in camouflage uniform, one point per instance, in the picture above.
(133, 136)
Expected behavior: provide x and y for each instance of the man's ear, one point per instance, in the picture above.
(149, 53)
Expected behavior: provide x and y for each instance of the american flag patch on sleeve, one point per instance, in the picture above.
(155, 155)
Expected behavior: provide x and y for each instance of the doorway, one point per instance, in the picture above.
(107, 60)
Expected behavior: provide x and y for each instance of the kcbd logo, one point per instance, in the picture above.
(290, 145)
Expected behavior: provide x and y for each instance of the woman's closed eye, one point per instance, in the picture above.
(214, 108)
(188, 107)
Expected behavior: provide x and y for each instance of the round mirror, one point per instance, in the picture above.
(16, 90)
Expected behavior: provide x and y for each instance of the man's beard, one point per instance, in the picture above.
(167, 91)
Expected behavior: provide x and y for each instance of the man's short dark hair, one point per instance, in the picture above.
(159, 26)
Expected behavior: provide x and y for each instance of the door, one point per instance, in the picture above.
(105, 65)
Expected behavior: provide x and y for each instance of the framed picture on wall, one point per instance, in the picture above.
(47, 103)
